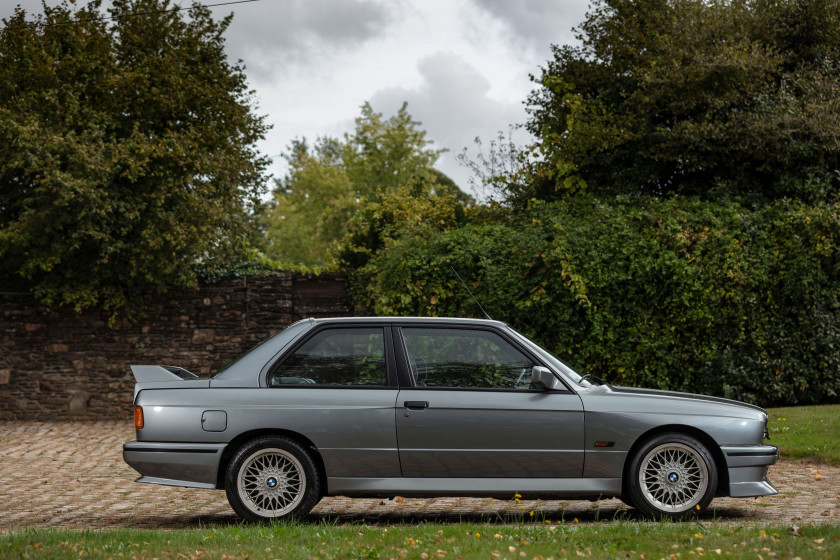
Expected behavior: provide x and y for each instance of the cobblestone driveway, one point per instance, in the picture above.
(58, 474)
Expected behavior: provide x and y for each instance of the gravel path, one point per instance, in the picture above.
(71, 474)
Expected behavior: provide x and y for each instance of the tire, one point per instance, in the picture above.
(272, 478)
(627, 501)
(671, 475)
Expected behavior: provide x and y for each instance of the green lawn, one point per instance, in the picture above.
(807, 432)
(626, 540)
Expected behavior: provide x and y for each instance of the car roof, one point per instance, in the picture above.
(409, 320)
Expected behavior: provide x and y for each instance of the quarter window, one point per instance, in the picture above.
(346, 356)
(465, 358)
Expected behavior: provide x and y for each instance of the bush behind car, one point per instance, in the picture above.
(686, 294)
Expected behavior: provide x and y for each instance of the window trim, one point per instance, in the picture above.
(390, 367)
(406, 380)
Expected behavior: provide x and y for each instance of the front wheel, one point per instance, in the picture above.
(272, 478)
(672, 475)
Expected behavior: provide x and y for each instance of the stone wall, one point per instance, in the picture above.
(59, 364)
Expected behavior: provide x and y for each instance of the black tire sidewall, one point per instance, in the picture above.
(312, 484)
(634, 491)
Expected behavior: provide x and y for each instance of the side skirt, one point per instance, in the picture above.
(170, 482)
(504, 488)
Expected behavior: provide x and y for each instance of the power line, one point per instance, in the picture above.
(135, 14)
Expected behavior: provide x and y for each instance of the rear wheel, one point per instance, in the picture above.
(672, 475)
(272, 478)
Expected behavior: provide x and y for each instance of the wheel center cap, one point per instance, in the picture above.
(271, 482)
(673, 477)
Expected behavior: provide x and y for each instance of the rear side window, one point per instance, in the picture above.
(341, 356)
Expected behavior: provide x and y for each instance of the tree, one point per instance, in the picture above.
(689, 96)
(127, 151)
(331, 181)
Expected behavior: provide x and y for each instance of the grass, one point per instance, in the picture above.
(621, 539)
(807, 432)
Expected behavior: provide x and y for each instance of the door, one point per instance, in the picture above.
(335, 388)
(472, 411)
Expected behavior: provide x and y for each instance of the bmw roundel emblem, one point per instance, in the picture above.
(673, 477)
(271, 482)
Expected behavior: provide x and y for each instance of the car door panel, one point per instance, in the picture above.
(337, 388)
(466, 433)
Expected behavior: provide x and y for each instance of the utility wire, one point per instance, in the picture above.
(133, 14)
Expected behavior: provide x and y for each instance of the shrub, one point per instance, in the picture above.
(682, 294)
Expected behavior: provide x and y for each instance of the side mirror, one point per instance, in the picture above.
(542, 377)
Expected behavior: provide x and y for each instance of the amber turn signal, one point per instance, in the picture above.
(138, 417)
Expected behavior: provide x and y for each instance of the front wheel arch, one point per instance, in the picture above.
(700, 435)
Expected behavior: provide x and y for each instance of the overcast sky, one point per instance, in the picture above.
(462, 65)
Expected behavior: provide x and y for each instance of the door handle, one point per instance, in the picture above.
(416, 405)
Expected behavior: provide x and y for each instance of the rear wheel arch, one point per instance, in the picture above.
(704, 438)
(236, 443)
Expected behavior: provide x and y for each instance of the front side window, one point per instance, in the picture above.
(465, 358)
(341, 356)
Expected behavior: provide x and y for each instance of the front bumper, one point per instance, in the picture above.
(747, 465)
(195, 465)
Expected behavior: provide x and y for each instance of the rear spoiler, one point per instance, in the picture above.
(146, 374)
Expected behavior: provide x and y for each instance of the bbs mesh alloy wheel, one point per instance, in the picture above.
(272, 478)
(672, 475)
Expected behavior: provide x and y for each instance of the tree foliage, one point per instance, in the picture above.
(681, 294)
(127, 150)
(331, 182)
(729, 97)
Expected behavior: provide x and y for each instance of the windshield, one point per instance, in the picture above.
(282, 338)
(548, 357)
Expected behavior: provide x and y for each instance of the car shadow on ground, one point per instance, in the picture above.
(595, 515)
(390, 518)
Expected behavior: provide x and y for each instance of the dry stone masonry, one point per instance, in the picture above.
(57, 364)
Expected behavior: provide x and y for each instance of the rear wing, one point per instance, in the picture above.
(165, 377)
(146, 374)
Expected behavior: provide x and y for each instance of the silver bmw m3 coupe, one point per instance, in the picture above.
(422, 407)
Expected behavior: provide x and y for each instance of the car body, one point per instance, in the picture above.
(422, 407)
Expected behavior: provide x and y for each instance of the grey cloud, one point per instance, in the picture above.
(454, 107)
(271, 35)
(274, 34)
(538, 23)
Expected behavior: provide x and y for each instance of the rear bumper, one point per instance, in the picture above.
(747, 465)
(194, 465)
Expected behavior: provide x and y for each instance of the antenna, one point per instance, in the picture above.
(469, 292)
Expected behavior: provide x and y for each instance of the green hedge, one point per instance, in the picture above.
(684, 294)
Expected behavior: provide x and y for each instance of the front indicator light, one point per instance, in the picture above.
(138, 417)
